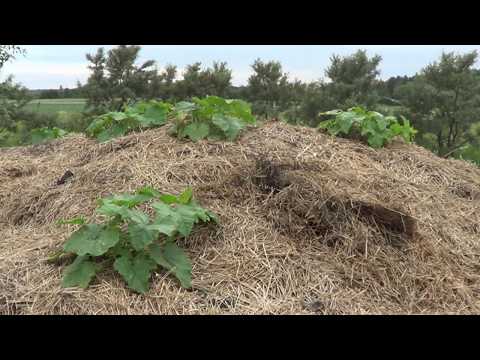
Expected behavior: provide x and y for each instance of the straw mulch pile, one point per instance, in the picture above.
(309, 225)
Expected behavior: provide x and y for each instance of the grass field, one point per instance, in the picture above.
(53, 106)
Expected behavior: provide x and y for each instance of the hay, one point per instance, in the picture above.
(309, 224)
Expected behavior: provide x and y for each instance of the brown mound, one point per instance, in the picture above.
(309, 224)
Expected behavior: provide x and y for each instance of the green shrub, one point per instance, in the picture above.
(15, 136)
(8, 138)
(34, 120)
(372, 127)
(132, 242)
(72, 121)
(469, 153)
(211, 117)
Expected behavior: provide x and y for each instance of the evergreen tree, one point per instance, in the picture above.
(268, 87)
(353, 79)
(444, 101)
(116, 79)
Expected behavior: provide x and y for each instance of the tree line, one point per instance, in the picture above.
(442, 101)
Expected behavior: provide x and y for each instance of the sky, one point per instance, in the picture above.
(49, 66)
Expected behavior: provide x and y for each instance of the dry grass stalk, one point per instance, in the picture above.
(309, 224)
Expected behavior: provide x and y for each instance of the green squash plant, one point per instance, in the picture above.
(133, 242)
(43, 134)
(211, 117)
(143, 115)
(372, 126)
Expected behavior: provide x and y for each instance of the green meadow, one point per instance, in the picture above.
(53, 106)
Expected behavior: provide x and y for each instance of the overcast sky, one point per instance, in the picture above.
(49, 66)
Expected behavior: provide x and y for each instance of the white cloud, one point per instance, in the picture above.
(48, 66)
(46, 74)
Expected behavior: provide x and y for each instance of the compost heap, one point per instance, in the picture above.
(309, 224)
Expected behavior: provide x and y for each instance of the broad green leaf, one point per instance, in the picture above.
(405, 130)
(202, 214)
(79, 273)
(381, 123)
(75, 221)
(180, 263)
(114, 129)
(397, 129)
(138, 108)
(213, 216)
(165, 225)
(230, 126)
(184, 106)
(92, 239)
(155, 115)
(345, 121)
(193, 212)
(197, 131)
(211, 117)
(136, 216)
(118, 116)
(148, 192)
(376, 140)
(45, 133)
(186, 196)
(391, 120)
(331, 112)
(156, 253)
(110, 209)
(125, 213)
(59, 132)
(325, 124)
(174, 259)
(162, 209)
(369, 126)
(377, 128)
(241, 110)
(128, 199)
(185, 227)
(99, 124)
(141, 236)
(135, 270)
(120, 249)
(187, 217)
(169, 199)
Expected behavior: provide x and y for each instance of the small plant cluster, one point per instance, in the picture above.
(132, 241)
(141, 116)
(371, 126)
(43, 134)
(211, 117)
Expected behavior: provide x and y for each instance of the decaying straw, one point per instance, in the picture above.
(308, 224)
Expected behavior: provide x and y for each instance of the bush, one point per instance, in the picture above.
(72, 121)
(34, 120)
(15, 136)
(470, 153)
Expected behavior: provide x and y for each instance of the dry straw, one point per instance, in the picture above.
(309, 224)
